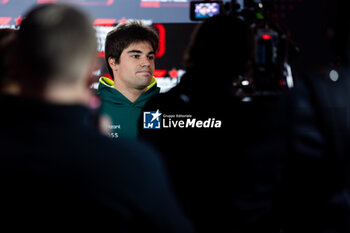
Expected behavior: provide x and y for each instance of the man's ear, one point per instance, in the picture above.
(113, 64)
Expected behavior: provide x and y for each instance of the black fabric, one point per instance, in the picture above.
(208, 165)
(315, 188)
(58, 174)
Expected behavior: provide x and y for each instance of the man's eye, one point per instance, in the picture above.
(151, 57)
(135, 56)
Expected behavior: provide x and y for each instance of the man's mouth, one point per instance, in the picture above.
(145, 71)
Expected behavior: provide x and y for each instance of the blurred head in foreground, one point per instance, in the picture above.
(57, 46)
(220, 49)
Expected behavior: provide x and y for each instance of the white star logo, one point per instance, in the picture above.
(156, 115)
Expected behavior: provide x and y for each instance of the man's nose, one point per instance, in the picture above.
(145, 61)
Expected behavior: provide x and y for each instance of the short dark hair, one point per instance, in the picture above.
(56, 42)
(126, 34)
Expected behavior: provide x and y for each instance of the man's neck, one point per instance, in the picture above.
(129, 93)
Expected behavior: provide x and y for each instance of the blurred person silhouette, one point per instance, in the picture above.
(205, 128)
(315, 187)
(129, 53)
(56, 171)
(8, 38)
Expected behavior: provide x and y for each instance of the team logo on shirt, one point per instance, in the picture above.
(152, 120)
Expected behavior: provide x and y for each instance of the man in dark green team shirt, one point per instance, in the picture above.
(129, 52)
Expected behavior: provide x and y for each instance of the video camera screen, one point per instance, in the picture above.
(204, 10)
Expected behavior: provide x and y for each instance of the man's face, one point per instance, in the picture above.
(136, 66)
(203, 10)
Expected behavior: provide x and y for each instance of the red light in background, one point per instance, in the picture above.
(5, 20)
(162, 38)
(106, 75)
(173, 73)
(46, 1)
(159, 73)
(109, 2)
(123, 20)
(80, 2)
(153, 4)
(18, 20)
(104, 22)
(266, 37)
(281, 83)
(101, 54)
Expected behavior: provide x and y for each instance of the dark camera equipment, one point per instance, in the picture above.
(271, 73)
